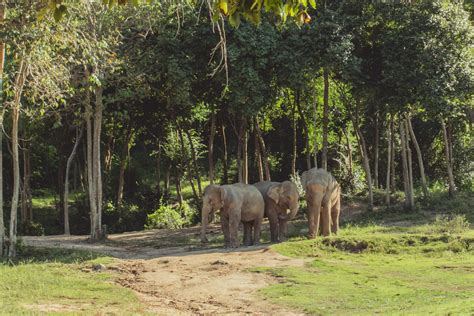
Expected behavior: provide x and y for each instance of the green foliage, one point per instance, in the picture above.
(170, 216)
(32, 229)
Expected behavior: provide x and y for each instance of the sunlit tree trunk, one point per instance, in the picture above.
(258, 156)
(376, 152)
(449, 161)
(315, 140)
(294, 151)
(366, 165)
(66, 180)
(194, 160)
(158, 171)
(406, 177)
(187, 164)
(263, 150)
(410, 167)
(224, 160)
(349, 153)
(239, 156)
(324, 159)
(392, 157)
(179, 193)
(420, 158)
(245, 156)
(305, 129)
(211, 147)
(389, 157)
(18, 90)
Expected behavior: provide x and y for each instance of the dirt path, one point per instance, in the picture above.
(187, 278)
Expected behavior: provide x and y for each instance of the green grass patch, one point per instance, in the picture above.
(373, 269)
(51, 282)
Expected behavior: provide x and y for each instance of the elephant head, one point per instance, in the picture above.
(213, 200)
(286, 196)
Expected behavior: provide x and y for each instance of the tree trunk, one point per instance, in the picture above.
(449, 162)
(349, 153)
(376, 152)
(211, 148)
(392, 158)
(179, 194)
(66, 180)
(389, 157)
(293, 156)
(239, 156)
(187, 163)
(245, 157)
(124, 163)
(18, 90)
(167, 181)
(109, 153)
(27, 199)
(90, 174)
(315, 109)
(325, 119)
(258, 156)
(305, 129)
(195, 165)
(224, 160)
(420, 158)
(95, 165)
(406, 177)
(158, 171)
(2, 109)
(366, 164)
(263, 150)
(410, 167)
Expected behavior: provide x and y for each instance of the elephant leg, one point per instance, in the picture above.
(335, 212)
(225, 230)
(313, 220)
(282, 229)
(326, 219)
(234, 221)
(274, 230)
(247, 233)
(257, 224)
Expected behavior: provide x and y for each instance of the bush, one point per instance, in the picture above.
(170, 216)
(126, 217)
(32, 229)
(451, 224)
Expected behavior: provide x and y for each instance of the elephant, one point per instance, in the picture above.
(279, 197)
(237, 203)
(323, 196)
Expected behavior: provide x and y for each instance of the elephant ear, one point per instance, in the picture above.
(304, 179)
(223, 195)
(274, 193)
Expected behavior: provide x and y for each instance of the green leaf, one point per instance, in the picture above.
(59, 12)
(312, 3)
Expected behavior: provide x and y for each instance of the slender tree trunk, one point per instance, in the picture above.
(194, 159)
(224, 160)
(449, 162)
(187, 163)
(211, 148)
(167, 180)
(245, 156)
(410, 167)
(392, 158)
(325, 119)
(366, 164)
(108, 153)
(90, 174)
(376, 152)
(179, 193)
(66, 180)
(2, 112)
(406, 176)
(124, 163)
(349, 153)
(18, 90)
(26, 196)
(315, 110)
(420, 158)
(389, 157)
(263, 150)
(305, 129)
(258, 156)
(158, 171)
(239, 156)
(293, 161)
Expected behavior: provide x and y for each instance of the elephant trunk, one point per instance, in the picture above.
(206, 210)
(293, 207)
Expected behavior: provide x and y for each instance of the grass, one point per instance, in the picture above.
(426, 268)
(51, 282)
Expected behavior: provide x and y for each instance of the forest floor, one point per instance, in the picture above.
(373, 263)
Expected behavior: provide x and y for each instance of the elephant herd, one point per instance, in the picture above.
(249, 204)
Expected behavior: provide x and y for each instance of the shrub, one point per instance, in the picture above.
(451, 224)
(32, 229)
(170, 216)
